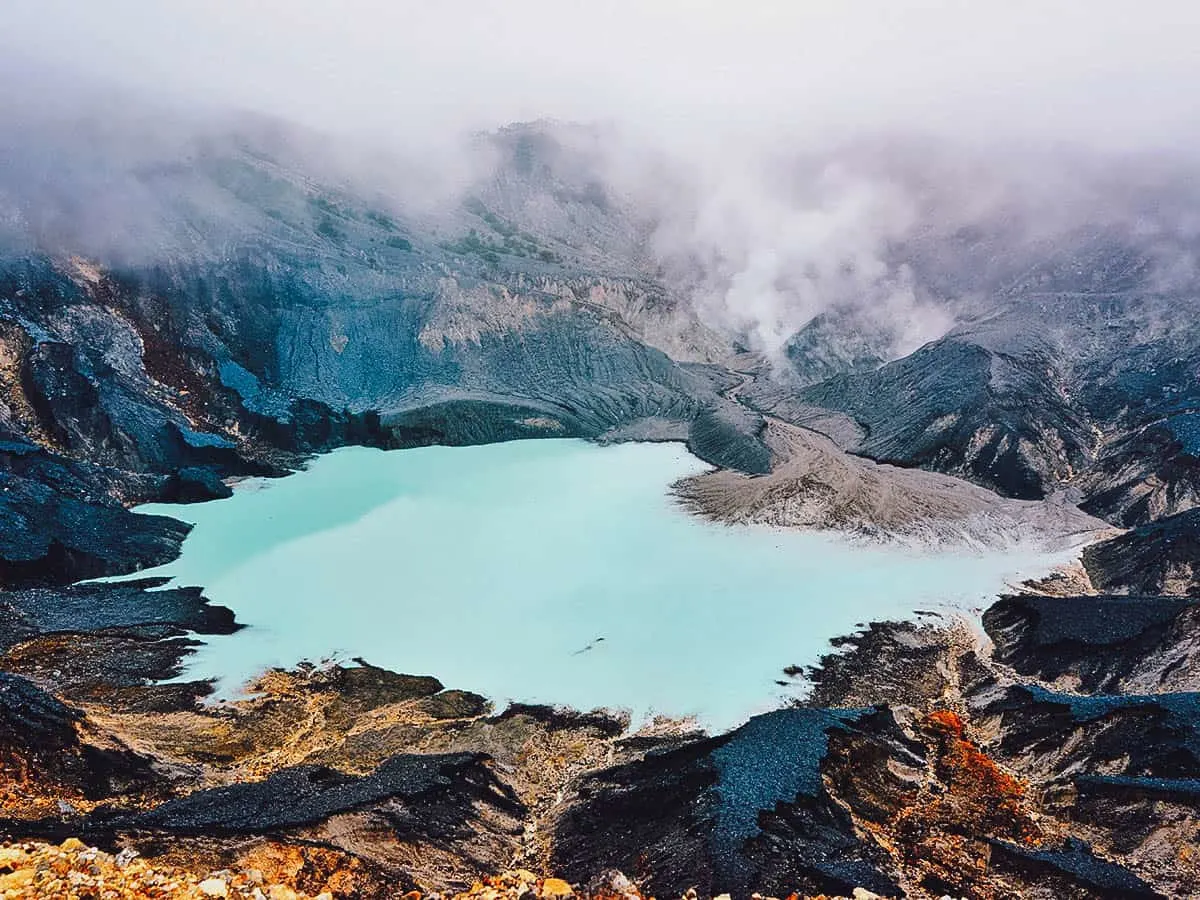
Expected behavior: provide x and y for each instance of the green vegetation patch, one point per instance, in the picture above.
(504, 238)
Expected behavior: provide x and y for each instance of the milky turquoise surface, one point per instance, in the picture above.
(495, 568)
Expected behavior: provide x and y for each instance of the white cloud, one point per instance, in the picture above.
(1109, 71)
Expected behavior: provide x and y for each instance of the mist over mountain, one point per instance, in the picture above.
(896, 237)
(772, 164)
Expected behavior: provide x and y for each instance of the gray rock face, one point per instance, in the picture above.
(1046, 390)
(1147, 474)
(748, 808)
(1160, 558)
(1099, 643)
(308, 795)
(49, 538)
(957, 407)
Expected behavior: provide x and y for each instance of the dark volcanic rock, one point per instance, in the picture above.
(1150, 473)
(1098, 643)
(83, 480)
(310, 426)
(606, 723)
(1074, 871)
(1091, 386)
(118, 667)
(1098, 794)
(364, 687)
(48, 538)
(1152, 736)
(195, 484)
(747, 810)
(40, 741)
(887, 662)
(465, 422)
(730, 436)
(85, 382)
(30, 716)
(372, 686)
(307, 795)
(109, 642)
(449, 807)
(92, 607)
(1160, 558)
(455, 704)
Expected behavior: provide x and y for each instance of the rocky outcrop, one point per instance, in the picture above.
(1074, 871)
(50, 759)
(1160, 558)
(433, 794)
(745, 810)
(825, 800)
(96, 607)
(1148, 474)
(1087, 387)
(730, 437)
(961, 407)
(1119, 769)
(109, 643)
(1098, 643)
(49, 538)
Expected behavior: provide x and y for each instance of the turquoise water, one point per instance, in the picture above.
(499, 568)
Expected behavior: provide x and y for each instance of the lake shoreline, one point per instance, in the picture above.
(562, 509)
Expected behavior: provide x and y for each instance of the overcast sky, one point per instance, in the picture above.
(1091, 71)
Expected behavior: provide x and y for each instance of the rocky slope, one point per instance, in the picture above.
(1160, 558)
(814, 484)
(1090, 389)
